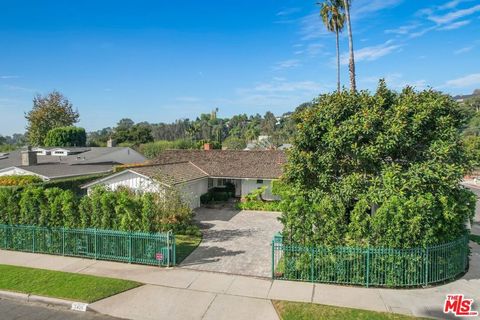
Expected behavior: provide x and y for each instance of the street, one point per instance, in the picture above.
(10, 310)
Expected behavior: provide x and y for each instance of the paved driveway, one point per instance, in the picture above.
(235, 242)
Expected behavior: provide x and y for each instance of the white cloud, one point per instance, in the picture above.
(463, 50)
(311, 27)
(371, 53)
(396, 81)
(287, 64)
(463, 82)
(361, 8)
(9, 77)
(188, 99)
(288, 11)
(455, 25)
(453, 15)
(406, 29)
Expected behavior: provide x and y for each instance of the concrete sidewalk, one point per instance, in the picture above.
(188, 294)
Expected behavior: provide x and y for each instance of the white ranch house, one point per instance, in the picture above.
(194, 172)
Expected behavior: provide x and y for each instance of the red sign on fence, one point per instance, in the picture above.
(159, 256)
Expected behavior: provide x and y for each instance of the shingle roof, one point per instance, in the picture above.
(171, 173)
(266, 164)
(92, 160)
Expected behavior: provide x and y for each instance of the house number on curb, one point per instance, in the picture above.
(78, 306)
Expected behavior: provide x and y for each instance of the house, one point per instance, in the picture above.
(194, 172)
(61, 163)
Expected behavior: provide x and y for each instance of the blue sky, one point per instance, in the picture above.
(161, 60)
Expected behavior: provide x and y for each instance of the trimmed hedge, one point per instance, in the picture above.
(120, 210)
(73, 184)
(19, 180)
(217, 194)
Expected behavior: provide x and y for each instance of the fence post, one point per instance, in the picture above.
(273, 258)
(5, 234)
(312, 266)
(168, 248)
(174, 249)
(426, 267)
(95, 242)
(129, 247)
(63, 241)
(368, 266)
(33, 239)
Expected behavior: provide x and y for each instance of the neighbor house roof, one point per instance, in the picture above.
(265, 164)
(85, 161)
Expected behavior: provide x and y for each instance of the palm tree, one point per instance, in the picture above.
(351, 65)
(333, 18)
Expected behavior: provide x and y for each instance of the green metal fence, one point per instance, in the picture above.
(370, 266)
(132, 247)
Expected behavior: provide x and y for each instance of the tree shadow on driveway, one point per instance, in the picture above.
(205, 255)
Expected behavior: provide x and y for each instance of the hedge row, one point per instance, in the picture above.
(73, 184)
(19, 180)
(119, 210)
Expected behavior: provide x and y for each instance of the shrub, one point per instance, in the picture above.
(19, 180)
(253, 201)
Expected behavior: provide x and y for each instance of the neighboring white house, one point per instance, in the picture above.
(59, 163)
(194, 172)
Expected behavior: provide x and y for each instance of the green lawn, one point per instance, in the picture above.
(309, 311)
(475, 238)
(57, 284)
(185, 244)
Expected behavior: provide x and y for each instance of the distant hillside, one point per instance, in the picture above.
(475, 93)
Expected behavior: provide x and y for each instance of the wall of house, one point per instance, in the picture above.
(192, 191)
(132, 181)
(249, 185)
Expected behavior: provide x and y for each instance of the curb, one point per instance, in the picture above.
(46, 301)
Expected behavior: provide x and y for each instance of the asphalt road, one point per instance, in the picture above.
(10, 310)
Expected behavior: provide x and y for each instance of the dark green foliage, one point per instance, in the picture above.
(381, 169)
(153, 149)
(102, 209)
(217, 194)
(66, 137)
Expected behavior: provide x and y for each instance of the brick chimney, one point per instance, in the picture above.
(29, 157)
(111, 143)
(207, 146)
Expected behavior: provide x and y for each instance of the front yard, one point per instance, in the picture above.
(185, 244)
(63, 285)
(309, 311)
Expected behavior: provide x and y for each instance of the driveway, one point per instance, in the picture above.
(235, 242)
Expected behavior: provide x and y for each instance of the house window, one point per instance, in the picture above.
(210, 183)
(259, 181)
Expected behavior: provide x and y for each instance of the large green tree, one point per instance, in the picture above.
(379, 169)
(66, 137)
(49, 112)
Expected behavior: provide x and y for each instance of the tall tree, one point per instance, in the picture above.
(351, 63)
(333, 17)
(49, 112)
